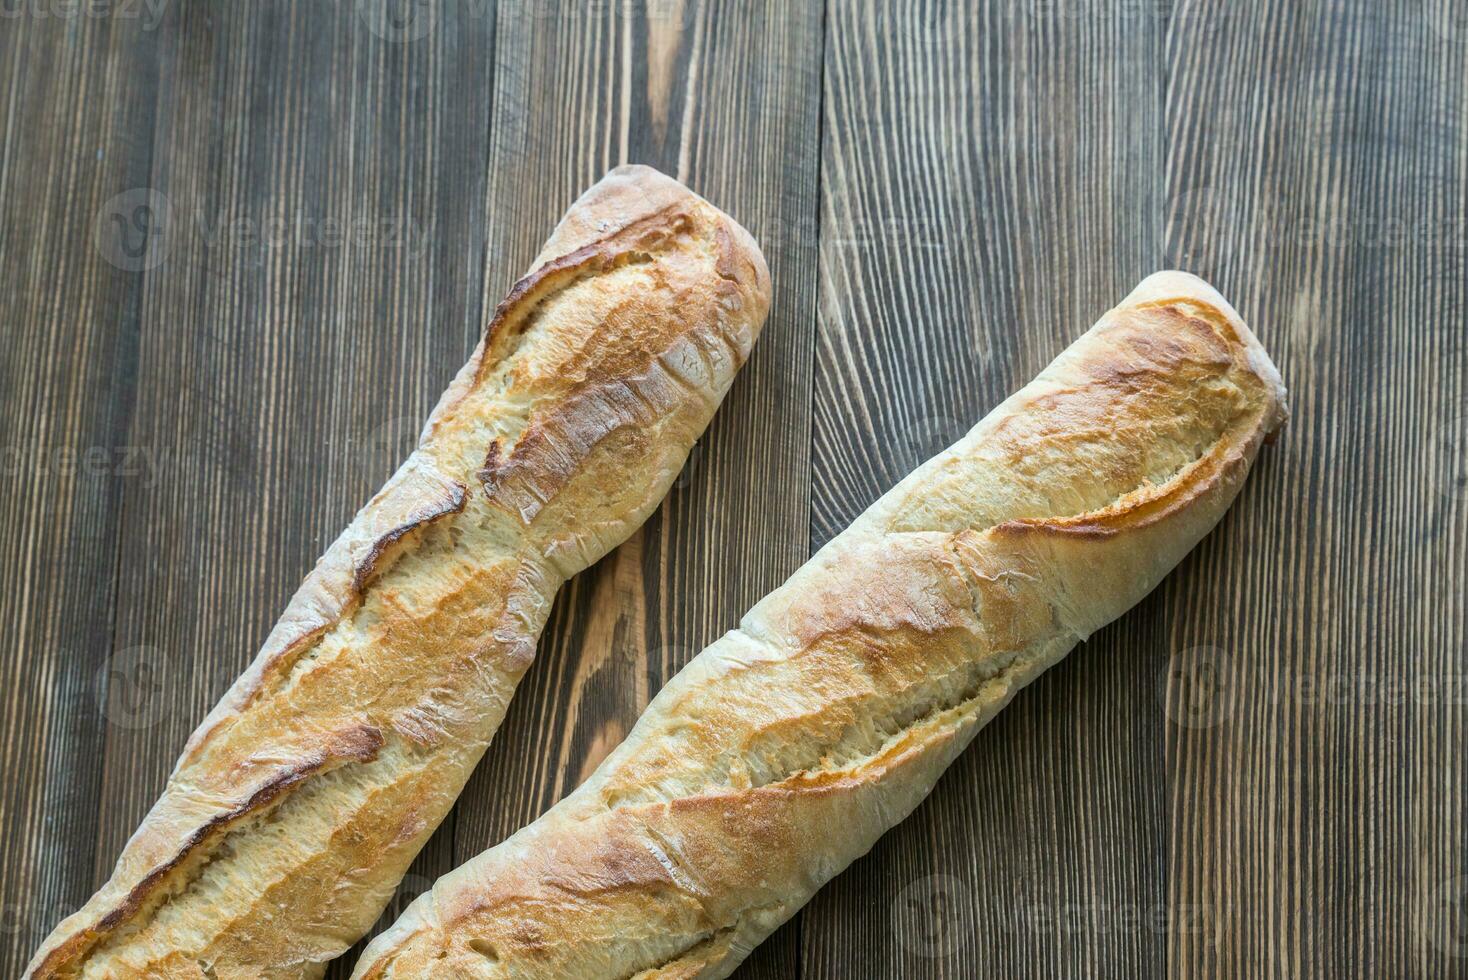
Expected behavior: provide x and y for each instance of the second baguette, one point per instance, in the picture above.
(785, 749)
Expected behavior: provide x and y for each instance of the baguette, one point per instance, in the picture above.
(784, 750)
(301, 799)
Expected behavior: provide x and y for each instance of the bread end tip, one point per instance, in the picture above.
(1174, 284)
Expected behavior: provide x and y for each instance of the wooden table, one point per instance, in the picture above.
(246, 244)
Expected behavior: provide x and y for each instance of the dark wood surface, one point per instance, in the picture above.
(245, 245)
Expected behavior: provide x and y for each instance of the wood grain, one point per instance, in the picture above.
(246, 245)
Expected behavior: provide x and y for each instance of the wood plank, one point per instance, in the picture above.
(1318, 170)
(991, 183)
(74, 94)
(320, 286)
(723, 96)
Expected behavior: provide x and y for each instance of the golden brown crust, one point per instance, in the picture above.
(300, 800)
(845, 693)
